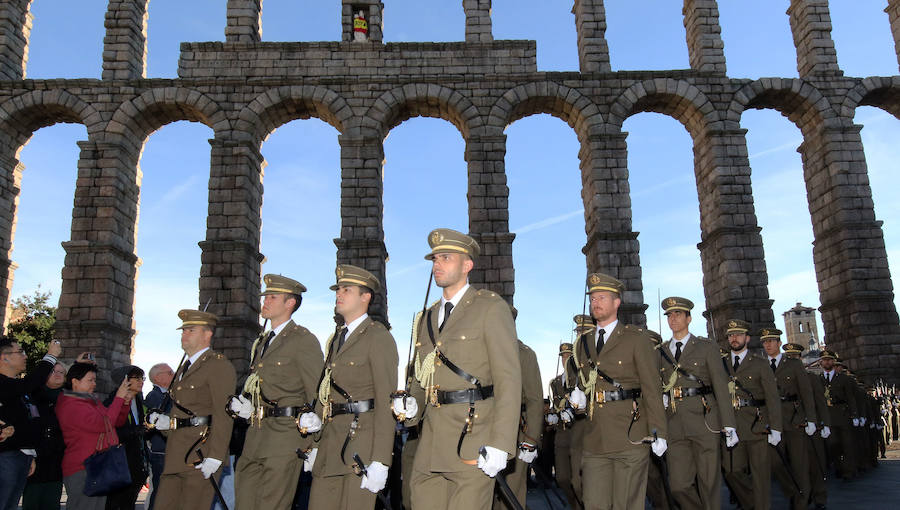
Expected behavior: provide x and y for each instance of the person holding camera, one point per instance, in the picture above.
(131, 435)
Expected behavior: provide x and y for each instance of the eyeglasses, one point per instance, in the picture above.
(142, 378)
(20, 351)
(60, 372)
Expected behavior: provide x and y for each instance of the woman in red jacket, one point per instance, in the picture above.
(82, 418)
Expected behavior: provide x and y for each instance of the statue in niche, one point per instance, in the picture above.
(360, 28)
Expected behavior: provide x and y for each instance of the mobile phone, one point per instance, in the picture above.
(90, 356)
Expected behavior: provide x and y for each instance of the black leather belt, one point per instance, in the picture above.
(469, 395)
(681, 392)
(194, 421)
(580, 416)
(789, 398)
(278, 412)
(356, 407)
(621, 394)
(750, 402)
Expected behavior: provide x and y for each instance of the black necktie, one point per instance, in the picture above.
(677, 351)
(184, 370)
(737, 363)
(600, 341)
(773, 364)
(448, 307)
(265, 345)
(342, 338)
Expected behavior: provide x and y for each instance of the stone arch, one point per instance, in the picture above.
(565, 103)
(423, 100)
(24, 114)
(880, 92)
(278, 106)
(674, 98)
(137, 118)
(801, 102)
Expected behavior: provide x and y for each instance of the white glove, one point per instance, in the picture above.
(311, 422)
(241, 406)
(731, 437)
(578, 399)
(552, 419)
(310, 460)
(408, 411)
(492, 462)
(567, 416)
(159, 421)
(826, 431)
(862, 421)
(527, 455)
(810, 428)
(856, 422)
(665, 400)
(659, 446)
(375, 477)
(774, 437)
(871, 425)
(208, 466)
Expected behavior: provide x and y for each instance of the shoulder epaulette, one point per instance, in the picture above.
(487, 292)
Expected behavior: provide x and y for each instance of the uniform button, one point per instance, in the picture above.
(352, 363)
(178, 388)
(439, 344)
(463, 337)
(332, 365)
(278, 363)
(192, 386)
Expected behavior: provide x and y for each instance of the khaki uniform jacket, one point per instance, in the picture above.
(840, 396)
(480, 338)
(289, 376)
(532, 423)
(818, 390)
(793, 382)
(756, 377)
(204, 390)
(366, 368)
(629, 359)
(700, 358)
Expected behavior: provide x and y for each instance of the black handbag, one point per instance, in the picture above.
(107, 469)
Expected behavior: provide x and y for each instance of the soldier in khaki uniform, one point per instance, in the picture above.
(840, 397)
(618, 383)
(285, 366)
(798, 412)
(468, 376)
(698, 407)
(564, 418)
(199, 396)
(758, 413)
(354, 400)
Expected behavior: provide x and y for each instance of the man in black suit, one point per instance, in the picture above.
(131, 436)
(161, 376)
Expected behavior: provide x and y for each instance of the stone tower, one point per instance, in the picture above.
(801, 328)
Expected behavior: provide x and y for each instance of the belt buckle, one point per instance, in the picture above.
(173, 423)
(678, 392)
(601, 397)
(433, 395)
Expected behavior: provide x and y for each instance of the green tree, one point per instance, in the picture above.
(31, 324)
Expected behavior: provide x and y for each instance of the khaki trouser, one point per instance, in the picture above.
(817, 459)
(266, 483)
(752, 489)
(460, 490)
(185, 490)
(795, 445)
(615, 480)
(696, 456)
(339, 493)
(515, 472)
(562, 465)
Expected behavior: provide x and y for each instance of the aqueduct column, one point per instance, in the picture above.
(811, 27)
(489, 213)
(125, 44)
(11, 171)
(590, 24)
(96, 306)
(893, 12)
(478, 20)
(735, 280)
(612, 247)
(704, 35)
(362, 209)
(243, 21)
(855, 286)
(230, 258)
(15, 28)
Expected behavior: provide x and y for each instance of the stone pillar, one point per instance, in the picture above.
(125, 44)
(893, 12)
(704, 35)
(735, 281)
(855, 287)
(11, 172)
(96, 306)
(489, 214)
(590, 23)
(15, 28)
(230, 258)
(811, 27)
(362, 210)
(374, 12)
(243, 21)
(612, 246)
(478, 20)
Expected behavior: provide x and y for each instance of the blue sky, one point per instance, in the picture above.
(425, 174)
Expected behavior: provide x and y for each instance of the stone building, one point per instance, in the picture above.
(244, 88)
(800, 327)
